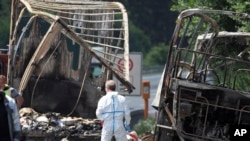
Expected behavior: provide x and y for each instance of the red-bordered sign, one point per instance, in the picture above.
(121, 64)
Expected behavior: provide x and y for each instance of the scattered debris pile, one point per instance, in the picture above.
(55, 126)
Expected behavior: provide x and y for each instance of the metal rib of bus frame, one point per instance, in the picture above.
(168, 123)
(56, 22)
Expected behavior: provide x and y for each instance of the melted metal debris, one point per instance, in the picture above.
(35, 124)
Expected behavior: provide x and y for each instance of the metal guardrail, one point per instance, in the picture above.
(152, 69)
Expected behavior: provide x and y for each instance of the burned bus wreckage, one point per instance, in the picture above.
(60, 54)
(205, 88)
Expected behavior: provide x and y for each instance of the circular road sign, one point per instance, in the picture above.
(121, 64)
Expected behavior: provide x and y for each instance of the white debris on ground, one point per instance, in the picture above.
(54, 124)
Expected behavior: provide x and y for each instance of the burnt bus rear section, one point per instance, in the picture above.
(50, 62)
(206, 112)
(206, 82)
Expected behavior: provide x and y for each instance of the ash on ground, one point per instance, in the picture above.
(54, 125)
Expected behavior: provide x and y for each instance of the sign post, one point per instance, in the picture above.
(145, 96)
(135, 76)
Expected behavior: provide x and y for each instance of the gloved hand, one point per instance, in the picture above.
(127, 127)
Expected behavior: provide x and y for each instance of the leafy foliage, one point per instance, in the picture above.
(4, 22)
(240, 6)
(157, 55)
(179, 5)
(145, 126)
(152, 17)
(138, 41)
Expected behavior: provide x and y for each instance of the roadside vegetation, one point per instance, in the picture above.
(145, 126)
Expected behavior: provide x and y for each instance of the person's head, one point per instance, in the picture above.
(2, 81)
(110, 85)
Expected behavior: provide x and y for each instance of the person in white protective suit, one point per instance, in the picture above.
(10, 127)
(112, 109)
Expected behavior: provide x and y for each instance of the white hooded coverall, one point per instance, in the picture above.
(112, 109)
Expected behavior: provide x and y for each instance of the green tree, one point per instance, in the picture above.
(240, 6)
(152, 17)
(157, 55)
(4, 22)
(138, 41)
